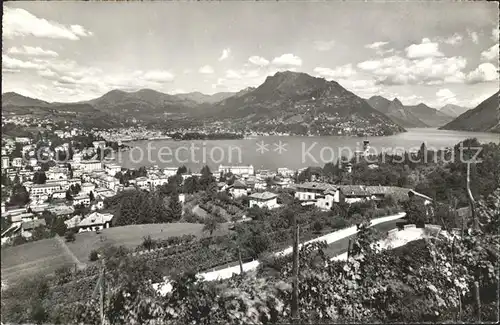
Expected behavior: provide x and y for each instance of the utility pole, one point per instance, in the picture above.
(295, 285)
(471, 199)
(239, 260)
(101, 290)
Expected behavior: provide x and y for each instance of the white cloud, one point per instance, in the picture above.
(13, 63)
(287, 60)
(158, 76)
(324, 45)
(491, 53)
(375, 45)
(32, 51)
(396, 70)
(423, 50)
(485, 72)
(258, 60)
(344, 71)
(225, 54)
(494, 34)
(19, 22)
(454, 39)
(47, 73)
(473, 36)
(206, 69)
(446, 96)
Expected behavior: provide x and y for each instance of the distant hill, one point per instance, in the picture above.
(419, 115)
(144, 104)
(453, 110)
(430, 116)
(203, 98)
(15, 99)
(297, 103)
(484, 118)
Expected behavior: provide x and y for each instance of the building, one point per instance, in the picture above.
(43, 191)
(238, 189)
(57, 173)
(90, 165)
(5, 162)
(286, 172)
(323, 195)
(99, 144)
(95, 221)
(60, 194)
(23, 140)
(86, 188)
(27, 227)
(237, 170)
(112, 169)
(170, 171)
(17, 162)
(264, 199)
(81, 200)
(73, 222)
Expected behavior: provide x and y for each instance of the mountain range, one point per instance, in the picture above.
(414, 116)
(287, 102)
(453, 110)
(485, 117)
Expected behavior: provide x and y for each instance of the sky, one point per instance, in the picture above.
(433, 52)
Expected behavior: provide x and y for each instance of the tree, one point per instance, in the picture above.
(38, 313)
(91, 196)
(191, 185)
(416, 211)
(69, 197)
(39, 177)
(93, 256)
(148, 243)
(70, 236)
(206, 179)
(175, 206)
(181, 170)
(58, 226)
(211, 225)
(20, 195)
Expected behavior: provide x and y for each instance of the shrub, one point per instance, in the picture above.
(148, 243)
(93, 256)
(70, 236)
(338, 223)
(318, 226)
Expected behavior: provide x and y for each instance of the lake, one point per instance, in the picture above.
(272, 152)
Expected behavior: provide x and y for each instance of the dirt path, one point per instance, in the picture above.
(62, 242)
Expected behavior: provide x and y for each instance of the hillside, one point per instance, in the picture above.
(484, 118)
(201, 98)
(15, 99)
(144, 104)
(429, 116)
(296, 103)
(419, 115)
(453, 110)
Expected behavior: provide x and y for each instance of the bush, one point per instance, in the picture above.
(70, 236)
(148, 243)
(93, 256)
(318, 226)
(338, 223)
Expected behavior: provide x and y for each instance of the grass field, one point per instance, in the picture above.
(45, 256)
(32, 259)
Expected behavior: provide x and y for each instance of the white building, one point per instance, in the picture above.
(237, 170)
(239, 189)
(81, 199)
(112, 169)
(322, 195)
(95, 221)
(57, 173)
(17, 162)
(86, 188)
(5, 162)
(90, 165)
(99, 144)
(170, 171)
(43, 191)
(23, 140)
(286, 172)
(264, 199)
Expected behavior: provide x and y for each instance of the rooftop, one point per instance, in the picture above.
(316, 186)
(96, 218)
(263, 196)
